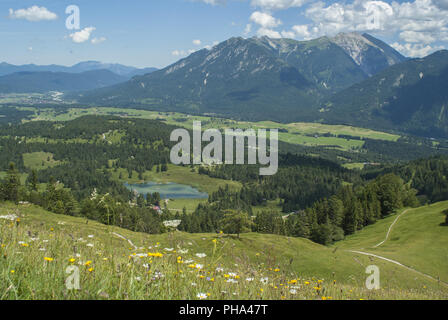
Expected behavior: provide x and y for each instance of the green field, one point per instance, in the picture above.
(39, 160)
(418, 240)
(307, 134)
(38, 249)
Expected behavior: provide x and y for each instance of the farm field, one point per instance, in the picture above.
(307, 134)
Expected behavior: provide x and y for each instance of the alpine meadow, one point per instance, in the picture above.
(244, 151)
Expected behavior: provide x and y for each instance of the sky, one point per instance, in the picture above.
(156, 33)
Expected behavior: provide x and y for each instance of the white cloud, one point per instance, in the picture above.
(178, 53)
(301, 31)
(268, 33)
(212, 2)
(197, 42)
(32, 14)
(83, 35)
(278, 4)
(265, 20)
(415, 50)
(248, 29)
(30, 49)
(98, 40)
(288, 34)
(442, 4)
(419, 16)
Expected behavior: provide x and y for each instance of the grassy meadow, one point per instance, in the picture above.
(37, 247)
(306, 134)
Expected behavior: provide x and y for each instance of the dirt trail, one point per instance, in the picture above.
(399, 264)
(390, 228)
(124, 238)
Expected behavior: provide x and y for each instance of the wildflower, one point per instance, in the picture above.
(307, 282)
(13, 271)
(194, 284)
(231, 281)
(264, 280)
(199, 266)
(90, 235)
(249, 279)
(293, 291)
(90, 245)
(169, 249)
(214, 241)
(276, 270)
(202, 296)
(201, 255)
(48, 259)
(294, 281)
(71, 260)
(219, 269)
(91, 269)
(88, 263)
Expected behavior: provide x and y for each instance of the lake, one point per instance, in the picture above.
(168, 190)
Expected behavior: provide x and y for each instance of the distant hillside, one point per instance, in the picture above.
(40, 82)
(410, 97)
(256, 78)
(119, 69)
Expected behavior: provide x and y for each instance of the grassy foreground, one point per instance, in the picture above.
(38, 248)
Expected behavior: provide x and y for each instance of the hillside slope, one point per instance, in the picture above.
(410, 97)
(41, 82)
(120, 264)
(418, 239)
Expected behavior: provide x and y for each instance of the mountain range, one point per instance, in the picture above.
(45, 81)
(351, 78)
(411, 97)
(256, 78)
(119, 69)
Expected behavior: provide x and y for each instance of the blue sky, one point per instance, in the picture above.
(146, 33)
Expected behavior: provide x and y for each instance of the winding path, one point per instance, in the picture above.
(390, 228)
(393, 261)
(399, 264)
(121, 237)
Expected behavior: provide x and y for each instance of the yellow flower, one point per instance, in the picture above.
(214, 241)
(88, 263)
(48, 259)
(307, 282)
(276, 270)
(292, 281)
(91, 269)
(13, 271)
(25, 245)
(72, 260)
